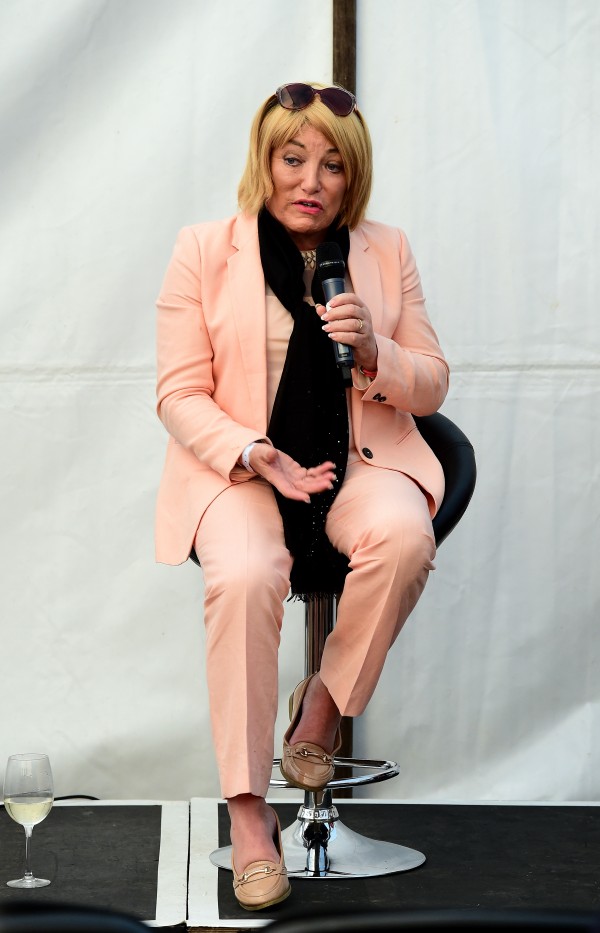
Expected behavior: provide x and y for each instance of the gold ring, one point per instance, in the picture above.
(360, 324)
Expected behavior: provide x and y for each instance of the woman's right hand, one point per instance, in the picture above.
(292, 480)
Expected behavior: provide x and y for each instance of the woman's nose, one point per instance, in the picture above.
(311, 180)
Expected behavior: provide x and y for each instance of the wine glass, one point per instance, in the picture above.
(28, 798)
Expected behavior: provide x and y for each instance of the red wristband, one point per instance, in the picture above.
(367, 372)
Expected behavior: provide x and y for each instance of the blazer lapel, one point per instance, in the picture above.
(247, 285)
(365, 275)
(366, 283)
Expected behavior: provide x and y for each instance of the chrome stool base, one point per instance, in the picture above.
(319, 845)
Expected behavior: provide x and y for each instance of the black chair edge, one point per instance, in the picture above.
(425, 920)
(22, 916)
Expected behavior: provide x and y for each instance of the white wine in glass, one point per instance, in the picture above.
(28, 798)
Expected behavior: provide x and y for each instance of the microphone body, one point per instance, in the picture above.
(331, 269)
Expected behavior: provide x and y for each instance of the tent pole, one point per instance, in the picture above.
(344, 43)
(344, 73)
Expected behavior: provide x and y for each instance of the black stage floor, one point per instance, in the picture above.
(94, 856)
(478, 856)
(129, 856)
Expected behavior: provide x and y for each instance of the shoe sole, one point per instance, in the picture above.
(277, 900)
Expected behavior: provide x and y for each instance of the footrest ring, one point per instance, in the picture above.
(380, 770)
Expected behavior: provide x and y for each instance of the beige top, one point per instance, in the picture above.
(279, 329)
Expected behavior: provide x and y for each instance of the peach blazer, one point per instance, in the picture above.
(212, 367)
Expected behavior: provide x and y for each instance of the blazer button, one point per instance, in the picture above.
(368, 453)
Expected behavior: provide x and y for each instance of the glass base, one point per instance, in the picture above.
(28, 881)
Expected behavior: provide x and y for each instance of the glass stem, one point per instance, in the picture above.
(28, 833)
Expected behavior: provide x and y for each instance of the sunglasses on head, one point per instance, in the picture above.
(298, 96)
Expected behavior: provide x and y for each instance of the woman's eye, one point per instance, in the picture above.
(335, 167)
(291, 160)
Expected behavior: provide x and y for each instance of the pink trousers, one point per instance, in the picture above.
(380, 520)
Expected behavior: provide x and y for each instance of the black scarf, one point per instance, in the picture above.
(309, 421)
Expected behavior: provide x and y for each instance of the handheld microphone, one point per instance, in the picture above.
(331, 269)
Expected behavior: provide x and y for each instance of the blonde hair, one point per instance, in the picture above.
(274, 126)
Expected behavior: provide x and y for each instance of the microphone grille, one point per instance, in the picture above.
(330, 262)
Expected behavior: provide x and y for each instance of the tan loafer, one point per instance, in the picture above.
(262, 883)
(304, 764)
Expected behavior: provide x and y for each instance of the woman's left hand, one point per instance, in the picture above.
(347, 320)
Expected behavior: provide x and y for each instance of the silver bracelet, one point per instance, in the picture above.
(246, 456)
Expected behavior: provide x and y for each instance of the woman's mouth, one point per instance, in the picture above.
(308, 206)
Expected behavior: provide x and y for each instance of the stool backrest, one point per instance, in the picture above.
(457, 457)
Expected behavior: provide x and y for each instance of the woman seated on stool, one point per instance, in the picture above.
(278, 471)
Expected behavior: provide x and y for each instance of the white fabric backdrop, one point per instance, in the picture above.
(121, 121)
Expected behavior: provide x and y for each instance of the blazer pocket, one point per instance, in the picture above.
(404, 435)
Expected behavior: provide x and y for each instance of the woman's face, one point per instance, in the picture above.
(309, 185)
